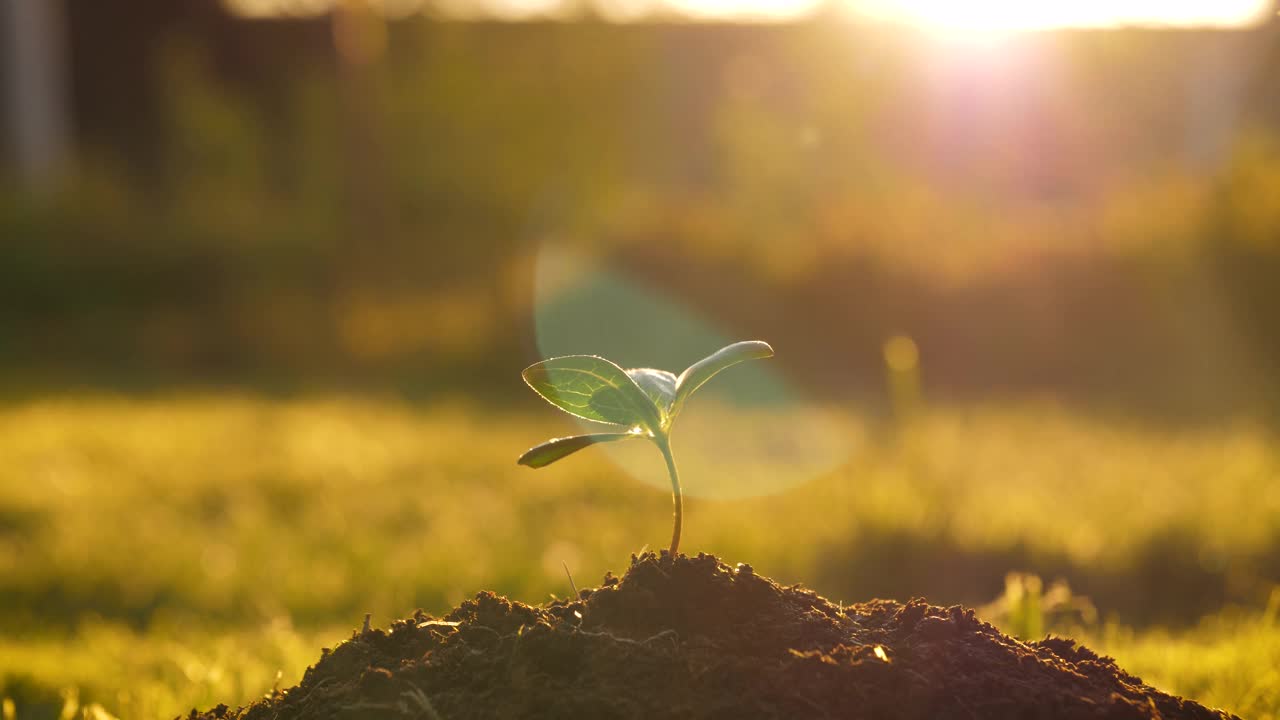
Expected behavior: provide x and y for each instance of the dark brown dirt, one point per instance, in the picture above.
(695, 638)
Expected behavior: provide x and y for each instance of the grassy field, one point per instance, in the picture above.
(163, 552)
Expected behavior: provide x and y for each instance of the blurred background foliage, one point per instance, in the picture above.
(260, 342)
(1088, 214)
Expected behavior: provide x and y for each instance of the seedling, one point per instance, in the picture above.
(640, 403)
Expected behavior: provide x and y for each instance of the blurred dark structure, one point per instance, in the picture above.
(256, 199)
(33, 91)
(118, 60)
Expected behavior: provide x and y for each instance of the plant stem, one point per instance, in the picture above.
(664, 444)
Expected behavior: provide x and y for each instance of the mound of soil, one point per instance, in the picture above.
(695, 638)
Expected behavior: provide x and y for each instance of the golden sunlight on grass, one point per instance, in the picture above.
(259, 529)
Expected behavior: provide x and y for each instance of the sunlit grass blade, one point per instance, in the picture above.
(705, 369)
(572, 384)
(556, 448)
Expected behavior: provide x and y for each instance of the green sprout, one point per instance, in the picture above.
(643, 401)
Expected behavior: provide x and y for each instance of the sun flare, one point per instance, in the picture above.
(965, 15)
(1005, 15)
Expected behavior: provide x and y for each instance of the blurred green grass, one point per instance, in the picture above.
(146, 543)
(1229, 660)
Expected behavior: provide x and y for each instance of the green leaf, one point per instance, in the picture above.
(556, 448)
(593, 388)
(659, 385)
(611, 403)
(700, 372)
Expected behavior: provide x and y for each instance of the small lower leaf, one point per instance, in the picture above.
(556, 448)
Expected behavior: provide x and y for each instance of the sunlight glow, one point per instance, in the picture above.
(949, 15)
(744, 9)
(1005, 15)
(752, 433)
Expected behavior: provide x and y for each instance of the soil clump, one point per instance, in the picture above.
(691, 637)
